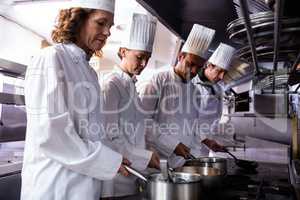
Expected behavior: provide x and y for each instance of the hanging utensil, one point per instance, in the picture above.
(136, 173)
(245, 164)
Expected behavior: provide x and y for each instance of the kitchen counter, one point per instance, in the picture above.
(7, 168)
(10, 180)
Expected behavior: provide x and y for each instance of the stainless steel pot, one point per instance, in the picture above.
(212, 162)
(211, 178)
(185, 186)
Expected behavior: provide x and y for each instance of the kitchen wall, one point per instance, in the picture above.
(17, 44)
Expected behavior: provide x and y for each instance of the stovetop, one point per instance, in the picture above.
(269, 182)
(241, 187)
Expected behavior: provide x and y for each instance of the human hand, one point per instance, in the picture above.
(182, 150)
(213, 145)
(155, 161)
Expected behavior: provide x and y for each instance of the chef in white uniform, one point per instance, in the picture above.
(171, 101)
(64, 158)
(207, 82)
(123, 119)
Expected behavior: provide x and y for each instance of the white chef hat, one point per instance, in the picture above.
(222, 56)
(5, 6)
(107, 5)
(198, 40)
(140, 33)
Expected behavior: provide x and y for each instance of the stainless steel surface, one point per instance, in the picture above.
(276, 37)
(245, 14)
(277, 104)
(170, 174)
(136, 173)
(203, 171)
(277, 28)
(160, 189)
(213, 162)
(210, 177)
(12, 68)
(163, 163)
(254, 6)
(266, 127)
(12, 99)
(266, 83)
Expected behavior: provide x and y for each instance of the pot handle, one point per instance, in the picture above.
(136, 173)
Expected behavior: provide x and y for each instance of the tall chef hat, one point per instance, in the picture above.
(107, 5)
(222, 56)
(5, 6)
(198, 40)
(140, 34)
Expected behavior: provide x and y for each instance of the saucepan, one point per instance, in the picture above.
(211, 178)
(180, 186)
(210, 162)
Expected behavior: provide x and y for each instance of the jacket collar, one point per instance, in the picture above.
(124, 75)
(202, 80)
(175, 77)
(76, 52)
(202, 76)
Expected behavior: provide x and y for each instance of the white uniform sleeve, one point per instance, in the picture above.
(139, 156)
(56, 134)
(149, 95)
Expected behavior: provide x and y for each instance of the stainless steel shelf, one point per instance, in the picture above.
(12, 68)
(12, 99)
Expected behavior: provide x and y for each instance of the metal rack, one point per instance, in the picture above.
(271, 37)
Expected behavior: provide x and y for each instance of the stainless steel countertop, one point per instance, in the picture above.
(9, 168)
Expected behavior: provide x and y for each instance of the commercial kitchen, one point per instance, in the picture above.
(252, 143)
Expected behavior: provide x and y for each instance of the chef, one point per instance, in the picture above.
(171, 102)
(64, 158)
(207, 82)
(123, 118)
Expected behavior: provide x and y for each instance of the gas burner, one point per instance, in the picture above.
(243, 187)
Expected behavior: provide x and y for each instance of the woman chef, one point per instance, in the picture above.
(64, 158)
(123, 118)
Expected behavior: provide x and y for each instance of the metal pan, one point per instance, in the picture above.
(245, 164)
(180, 186)
(160, 188)
(211, 178)
(212, 162)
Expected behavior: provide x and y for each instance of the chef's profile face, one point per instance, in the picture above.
(213, 73)
(95, 30)
(190, 64)
(134, 60)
